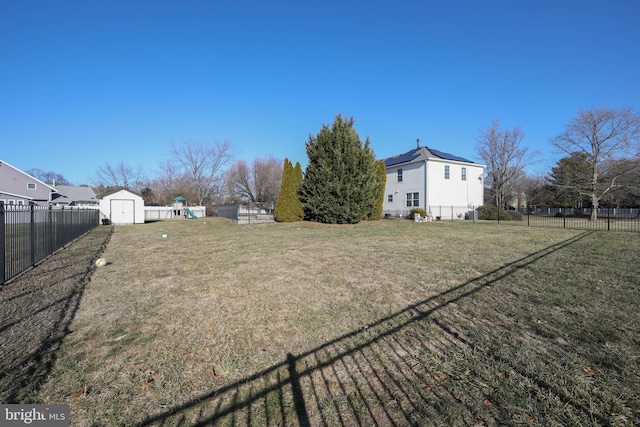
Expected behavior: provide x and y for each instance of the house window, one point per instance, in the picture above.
(31, 186)
(399, 175)
(464, 174)
(390, 198)
(446, 171)
(20, 202)
(413, 200)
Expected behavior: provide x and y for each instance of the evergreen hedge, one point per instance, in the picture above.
(288, 206)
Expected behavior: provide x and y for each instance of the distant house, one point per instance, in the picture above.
(20, 188)
(443, 184)
(121, 207)
(69, 195)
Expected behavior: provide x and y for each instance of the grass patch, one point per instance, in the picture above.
(387, 322)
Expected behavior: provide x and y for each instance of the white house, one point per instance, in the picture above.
(121, 207)
(445, 185)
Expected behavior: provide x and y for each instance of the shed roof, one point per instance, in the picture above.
(115, 190)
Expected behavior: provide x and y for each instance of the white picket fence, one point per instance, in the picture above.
(152, 213)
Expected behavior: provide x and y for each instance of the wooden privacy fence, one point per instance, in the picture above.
(30, 233)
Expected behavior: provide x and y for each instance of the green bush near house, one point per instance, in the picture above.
(490, 212)
(414, 211)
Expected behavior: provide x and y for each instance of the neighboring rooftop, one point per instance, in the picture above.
(69, 195)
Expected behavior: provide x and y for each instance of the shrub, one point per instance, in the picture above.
(516, 216)
(490, 212)
(414, 211)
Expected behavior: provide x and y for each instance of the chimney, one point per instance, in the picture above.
(418, 143)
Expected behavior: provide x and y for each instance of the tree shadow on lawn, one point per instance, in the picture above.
(37, 309)
(418, 366)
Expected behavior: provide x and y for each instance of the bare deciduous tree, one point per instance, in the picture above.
(534, 188)
(505, 157)
(203, 164)
(121, 175)
(604, 136)
(258, 182)
(48, 177)
(169, 183)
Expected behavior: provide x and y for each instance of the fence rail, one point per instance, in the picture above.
(437, 212)
(609, 219)
(30, 233)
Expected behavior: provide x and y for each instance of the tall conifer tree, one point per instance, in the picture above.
(288, 206)
(340, 184)
(376, 211)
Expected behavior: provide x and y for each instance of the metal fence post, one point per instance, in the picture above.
(51, 231)
(32, 231)
(608, 219)
(2, 242)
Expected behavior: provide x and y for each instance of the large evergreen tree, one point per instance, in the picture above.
(566, 178)
(288, 206)
(340, 184)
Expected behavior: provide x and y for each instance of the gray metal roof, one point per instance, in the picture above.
(68, 194)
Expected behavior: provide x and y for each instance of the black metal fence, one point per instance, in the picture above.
(30, 233)
(437, 212)
(608, 219)
(246, 213)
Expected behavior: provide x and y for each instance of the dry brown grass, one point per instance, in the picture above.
(391, 322)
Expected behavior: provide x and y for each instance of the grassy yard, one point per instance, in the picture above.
(383, 323)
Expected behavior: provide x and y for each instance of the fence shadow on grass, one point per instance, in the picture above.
(387, 373)
(37, 309)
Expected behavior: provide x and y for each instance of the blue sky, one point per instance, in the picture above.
(83, 83)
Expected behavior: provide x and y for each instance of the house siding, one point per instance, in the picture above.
(454, 191)
(412, 182)
(14, 187)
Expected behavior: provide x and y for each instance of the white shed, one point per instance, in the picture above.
(121, 207)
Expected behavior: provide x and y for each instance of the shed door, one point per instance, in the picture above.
(122, 211)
